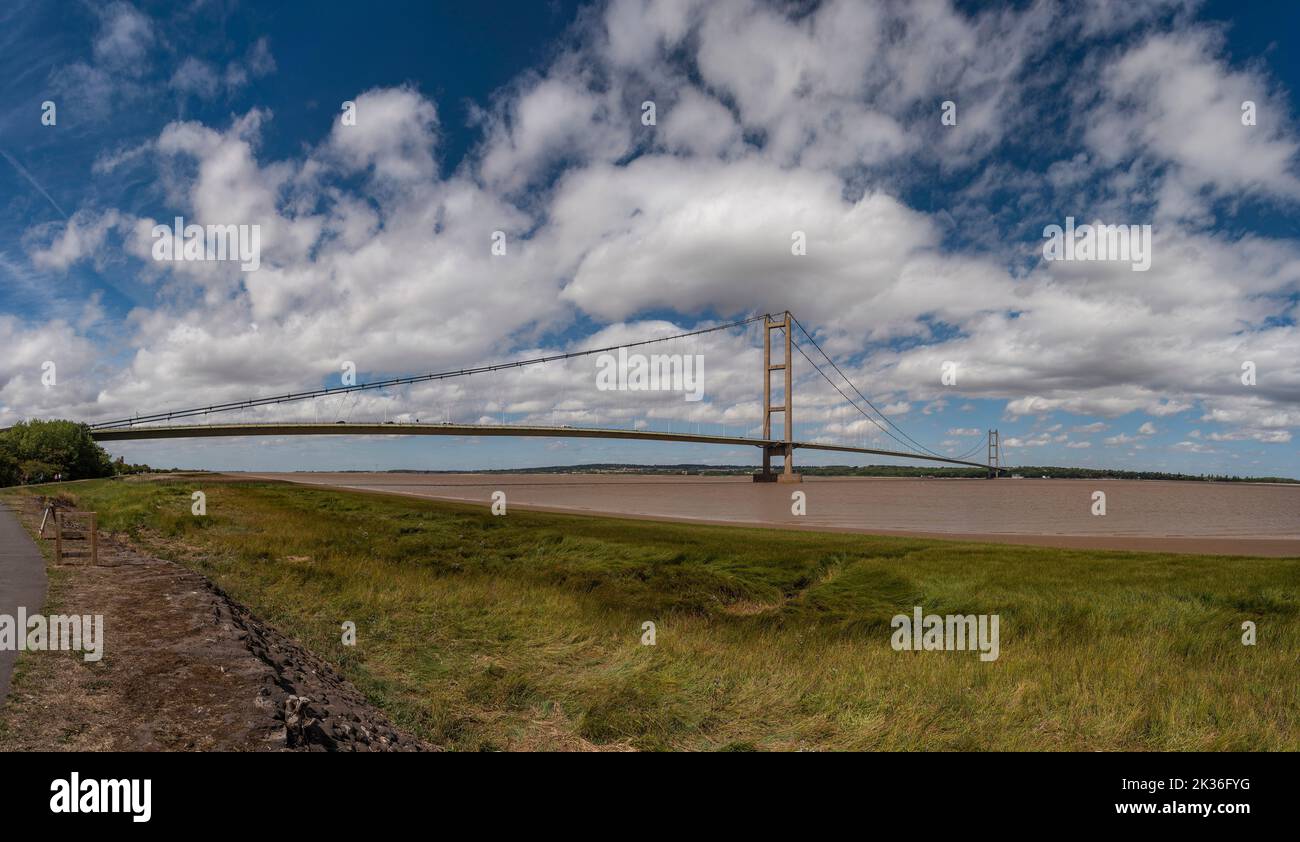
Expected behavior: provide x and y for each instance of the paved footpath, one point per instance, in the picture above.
(22, 582)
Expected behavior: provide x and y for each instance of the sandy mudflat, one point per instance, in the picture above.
(1193, 517)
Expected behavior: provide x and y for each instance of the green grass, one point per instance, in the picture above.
(482, 632)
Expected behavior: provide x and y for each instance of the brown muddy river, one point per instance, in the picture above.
(1237, 518)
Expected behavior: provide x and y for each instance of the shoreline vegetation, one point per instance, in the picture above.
(526, 631)
(35, 452)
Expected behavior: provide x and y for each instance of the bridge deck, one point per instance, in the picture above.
(395, 429)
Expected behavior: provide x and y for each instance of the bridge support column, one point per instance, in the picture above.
(995, 457)
(785, 450)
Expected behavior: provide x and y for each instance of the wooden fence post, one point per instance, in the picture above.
(85, 526)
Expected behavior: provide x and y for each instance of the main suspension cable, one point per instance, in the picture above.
(401, 381)
(916, 444)
(850, 400)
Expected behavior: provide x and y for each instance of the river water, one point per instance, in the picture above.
(1231, 518)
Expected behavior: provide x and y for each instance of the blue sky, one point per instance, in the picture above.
(924, 240)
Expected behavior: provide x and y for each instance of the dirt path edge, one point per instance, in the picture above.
(185, 667)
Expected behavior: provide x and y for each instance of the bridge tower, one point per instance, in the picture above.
(995, 455)
(786, 449)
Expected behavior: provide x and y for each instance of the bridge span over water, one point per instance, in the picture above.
(777, 410)
(405, 429)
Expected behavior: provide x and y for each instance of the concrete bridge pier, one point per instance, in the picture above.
(787, 474)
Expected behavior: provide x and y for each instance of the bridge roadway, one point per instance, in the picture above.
(400, 429)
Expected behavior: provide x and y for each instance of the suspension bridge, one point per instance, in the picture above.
(775, 442)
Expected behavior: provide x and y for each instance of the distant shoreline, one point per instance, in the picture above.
(877, 471)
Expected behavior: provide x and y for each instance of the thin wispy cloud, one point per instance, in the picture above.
(21, 170)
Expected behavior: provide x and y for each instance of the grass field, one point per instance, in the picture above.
(524, 631)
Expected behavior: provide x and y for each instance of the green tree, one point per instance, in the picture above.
(39, 451)
(8, 466)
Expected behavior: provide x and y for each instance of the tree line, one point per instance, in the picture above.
(50, 451)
